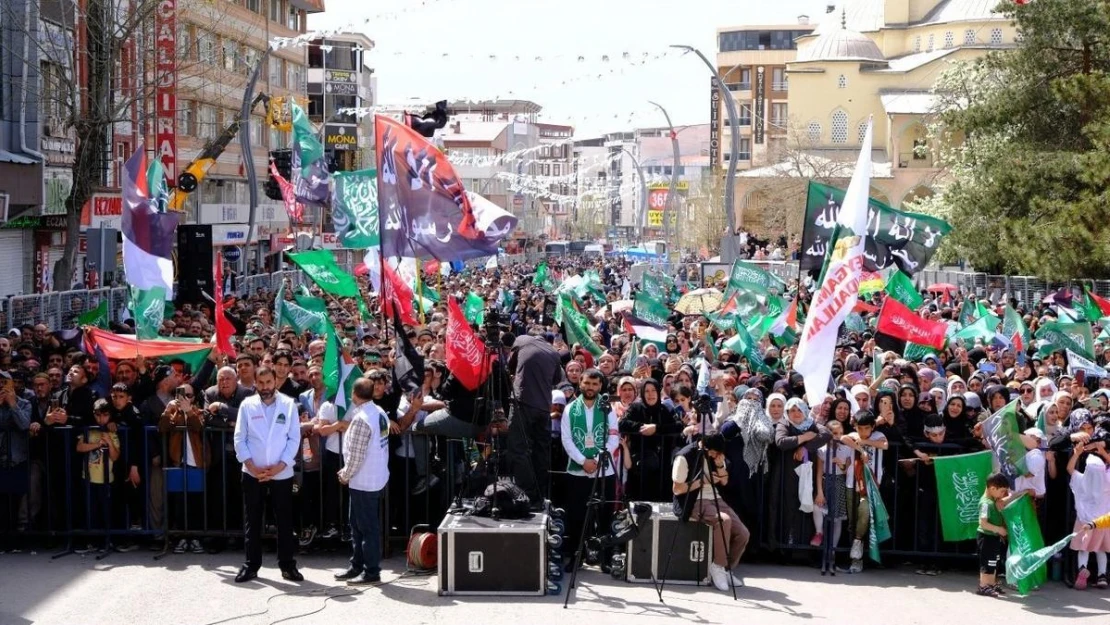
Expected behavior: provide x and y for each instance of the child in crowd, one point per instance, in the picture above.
(102, 450)
(833, 461)
(1092, 500)
(992, 533)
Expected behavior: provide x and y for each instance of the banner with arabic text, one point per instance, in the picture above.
(894, 238)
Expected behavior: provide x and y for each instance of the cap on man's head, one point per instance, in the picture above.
(15, 332)
(161, 373)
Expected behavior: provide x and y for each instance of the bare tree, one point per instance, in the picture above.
(112, 43)
(781, 193)
(702, 219)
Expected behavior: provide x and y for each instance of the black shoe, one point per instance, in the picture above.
(346, 575)
(365, 580)
(246, 574)
(292, 574)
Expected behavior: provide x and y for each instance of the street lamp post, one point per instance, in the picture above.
(668, 214)
(248, 155)
(643, 191)
(734, 142)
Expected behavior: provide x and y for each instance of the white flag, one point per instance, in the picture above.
(839, 291)
(1079, 363)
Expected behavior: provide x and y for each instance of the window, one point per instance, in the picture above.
(275, 72)
(275, 11)
(996, 36)
(185, 118)
(920, 150)
(839, 127)
(255, 6)
(842, 82)
(231, 55)
(949, 40)
(250, 58)
(745, 79)
(778, 114)
(293, 77)
(813, 132)
(969, 37)
(185, 45)
(206, 121)
(861, 132)
(206, 47)
(917, 43)
(293, 20)
(745, 115)
(745, 150)
(929, 48)
(256, 130)
(779, 81)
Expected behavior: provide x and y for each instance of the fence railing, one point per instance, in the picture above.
(60, 310)
(51, 489)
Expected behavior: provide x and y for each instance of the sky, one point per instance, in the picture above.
(593, 64)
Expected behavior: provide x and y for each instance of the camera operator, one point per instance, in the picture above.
(537, 370)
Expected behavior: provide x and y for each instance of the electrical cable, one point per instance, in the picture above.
(327, 592)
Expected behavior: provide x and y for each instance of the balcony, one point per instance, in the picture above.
(911, 160)
(780, 86)
(739, 86)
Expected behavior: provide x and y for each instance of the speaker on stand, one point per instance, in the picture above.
(194, 263)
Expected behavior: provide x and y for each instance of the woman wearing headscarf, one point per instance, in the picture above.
(797, 438)
(748, 434)
(650, 426)
(957, 427)
(776, 407)
(911, 418)
(1046, 388)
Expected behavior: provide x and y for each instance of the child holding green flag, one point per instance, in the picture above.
(992, 533)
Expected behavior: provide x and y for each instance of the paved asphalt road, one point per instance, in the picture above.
(132, 589)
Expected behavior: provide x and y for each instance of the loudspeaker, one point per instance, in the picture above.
(194, 263)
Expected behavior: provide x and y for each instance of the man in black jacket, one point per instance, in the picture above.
(538, 369)
(697, 498)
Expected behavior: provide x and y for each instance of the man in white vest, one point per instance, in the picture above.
(366, 473)
(267, 438)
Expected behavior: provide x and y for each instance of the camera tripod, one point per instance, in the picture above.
(701, 462)
(594, 501)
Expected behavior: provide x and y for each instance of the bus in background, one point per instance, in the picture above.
(555, 249)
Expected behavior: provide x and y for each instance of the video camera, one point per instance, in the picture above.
(703, 404)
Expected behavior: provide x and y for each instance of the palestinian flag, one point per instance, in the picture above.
(149, 236)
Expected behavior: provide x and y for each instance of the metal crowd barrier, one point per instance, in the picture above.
(50, 495)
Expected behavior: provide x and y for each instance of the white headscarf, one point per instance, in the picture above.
(1041, 383)
(767, 405)
(800, 404)
(1091, 489)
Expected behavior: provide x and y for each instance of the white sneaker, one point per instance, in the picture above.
(719, 576)
(857, 549)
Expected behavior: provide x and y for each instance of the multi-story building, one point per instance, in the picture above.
(340, 79)
(657, 160)
(874, 59)
(554, 166)
(589, 216)
(495, 146)
(752, 60)
(219, 44)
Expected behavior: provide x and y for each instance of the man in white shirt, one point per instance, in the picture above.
(585, 434)
(267, 438)
(366, 473)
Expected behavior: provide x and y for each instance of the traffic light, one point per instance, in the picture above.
(428, 124)
(283, 161)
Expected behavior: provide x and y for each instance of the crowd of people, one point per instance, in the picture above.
(189, 455)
